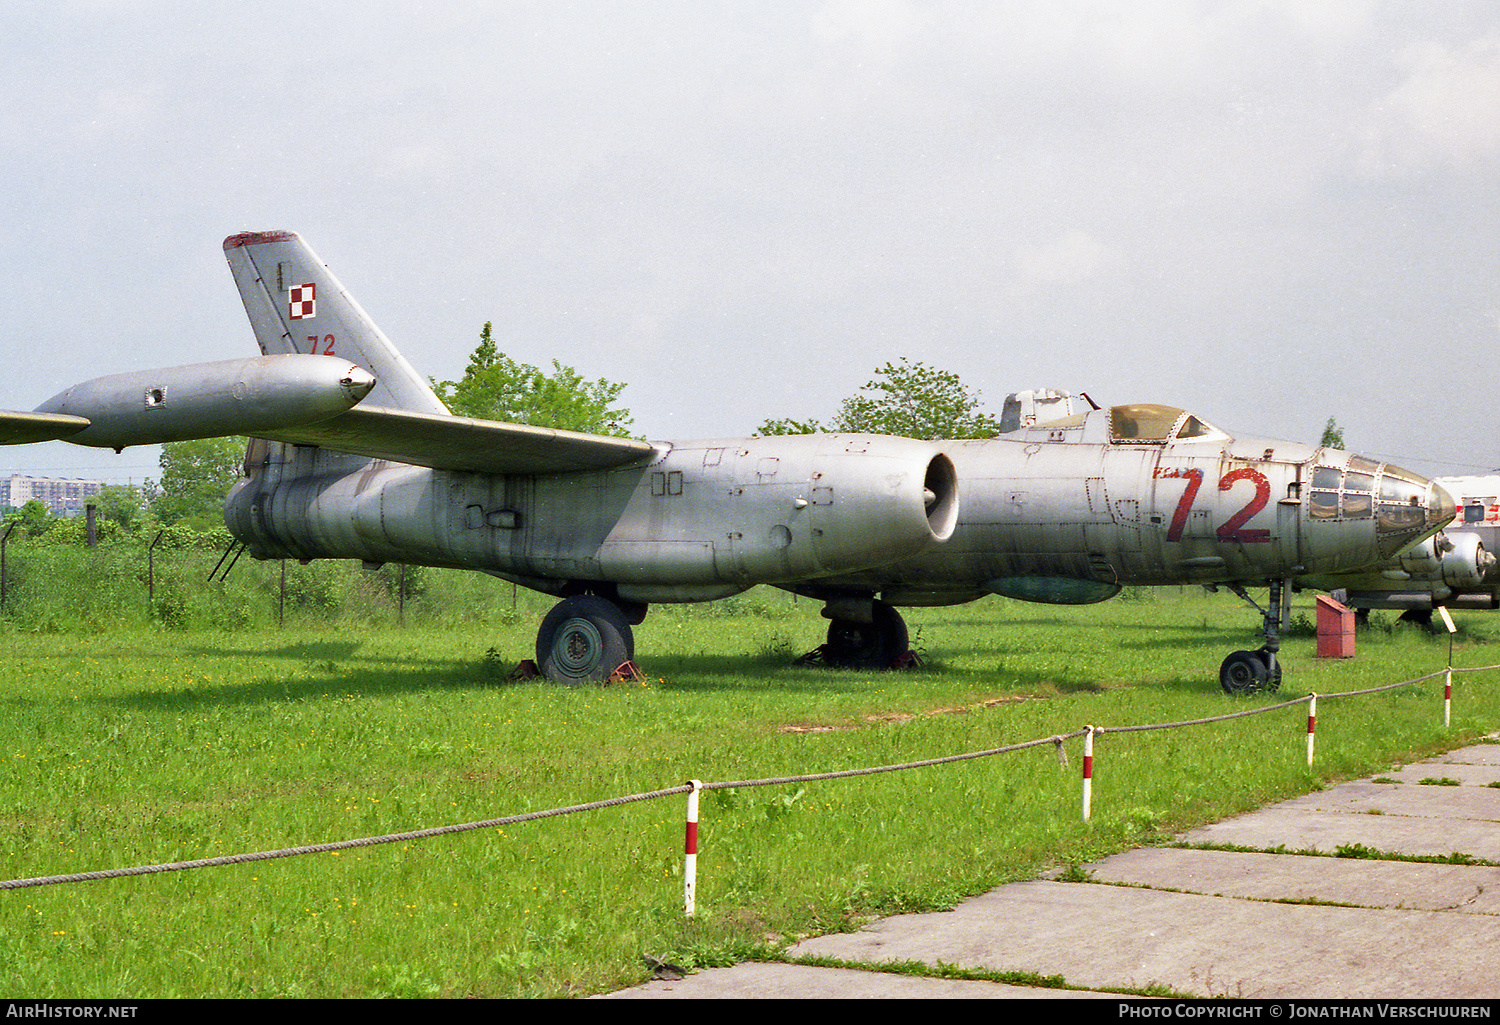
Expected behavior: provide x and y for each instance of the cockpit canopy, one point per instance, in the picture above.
(1143, 423)
(1147, 423)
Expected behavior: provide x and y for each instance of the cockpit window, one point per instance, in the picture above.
(1152, 424)
(1340, 495)
(1403, 497)
(1394, 487)
(1142, 422)
(1327, 477)
(1192, 427)
(1396, 518)
(1357, 505)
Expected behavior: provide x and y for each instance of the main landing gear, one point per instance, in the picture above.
(1245, 672)
(587, 638)
(863, 634)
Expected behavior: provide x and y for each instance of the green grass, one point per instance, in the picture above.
(133, 739)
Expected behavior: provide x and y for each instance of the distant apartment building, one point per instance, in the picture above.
(62, 497)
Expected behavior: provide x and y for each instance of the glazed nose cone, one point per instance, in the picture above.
(1408, 508)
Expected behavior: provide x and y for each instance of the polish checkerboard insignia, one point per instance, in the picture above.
(303, 302)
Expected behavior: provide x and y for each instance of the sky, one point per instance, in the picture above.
(1269, 212)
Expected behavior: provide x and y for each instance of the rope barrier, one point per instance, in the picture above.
(1198, 722)
(340, 845)
(873, 770)
(1388, 686)
(693, 787)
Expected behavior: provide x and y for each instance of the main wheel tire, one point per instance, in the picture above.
(1421, 617)
(874, 645)
(583, 638)
(1243, 672)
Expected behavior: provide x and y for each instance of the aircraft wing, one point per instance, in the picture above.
(18, 428)
(462, 444)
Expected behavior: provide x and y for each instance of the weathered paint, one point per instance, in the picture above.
(1074, 503)
(707, 514)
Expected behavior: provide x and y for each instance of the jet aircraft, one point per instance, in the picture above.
(353, 456)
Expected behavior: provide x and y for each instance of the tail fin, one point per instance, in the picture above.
(297, 305)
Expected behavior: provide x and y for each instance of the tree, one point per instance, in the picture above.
(496, 387)
(31, 519)
(195, 479)
(909, 400)
(1333, 435)
(122, 504)
(787, 425)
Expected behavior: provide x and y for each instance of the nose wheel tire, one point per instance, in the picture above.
(1247, 672)
(583, 639)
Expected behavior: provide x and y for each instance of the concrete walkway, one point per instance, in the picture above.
(1215, 923)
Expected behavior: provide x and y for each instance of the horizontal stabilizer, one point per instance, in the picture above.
(18, 428)
(461, 444)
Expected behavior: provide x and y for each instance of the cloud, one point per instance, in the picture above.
(1073, 257)
(879, 27)
(1444, 114)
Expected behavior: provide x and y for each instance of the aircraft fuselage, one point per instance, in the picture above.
(1072, 511)
(699, 520)
(1067, 513)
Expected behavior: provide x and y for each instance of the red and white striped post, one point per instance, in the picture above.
(1448, 672)
(690, 852)
(1088, 770)
(1312, 725)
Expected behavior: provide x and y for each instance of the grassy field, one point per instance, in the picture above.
(137, 739)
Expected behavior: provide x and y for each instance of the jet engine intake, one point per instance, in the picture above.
(776, 510)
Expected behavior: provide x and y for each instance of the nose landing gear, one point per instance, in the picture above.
(1245, 672)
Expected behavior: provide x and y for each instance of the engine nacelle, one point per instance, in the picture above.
(700, 520)
(1465, 566)
(866, 500)
(1423, 561)
(1456, 561)
(769, 510)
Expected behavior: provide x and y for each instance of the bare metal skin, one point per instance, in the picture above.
(354, 457)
